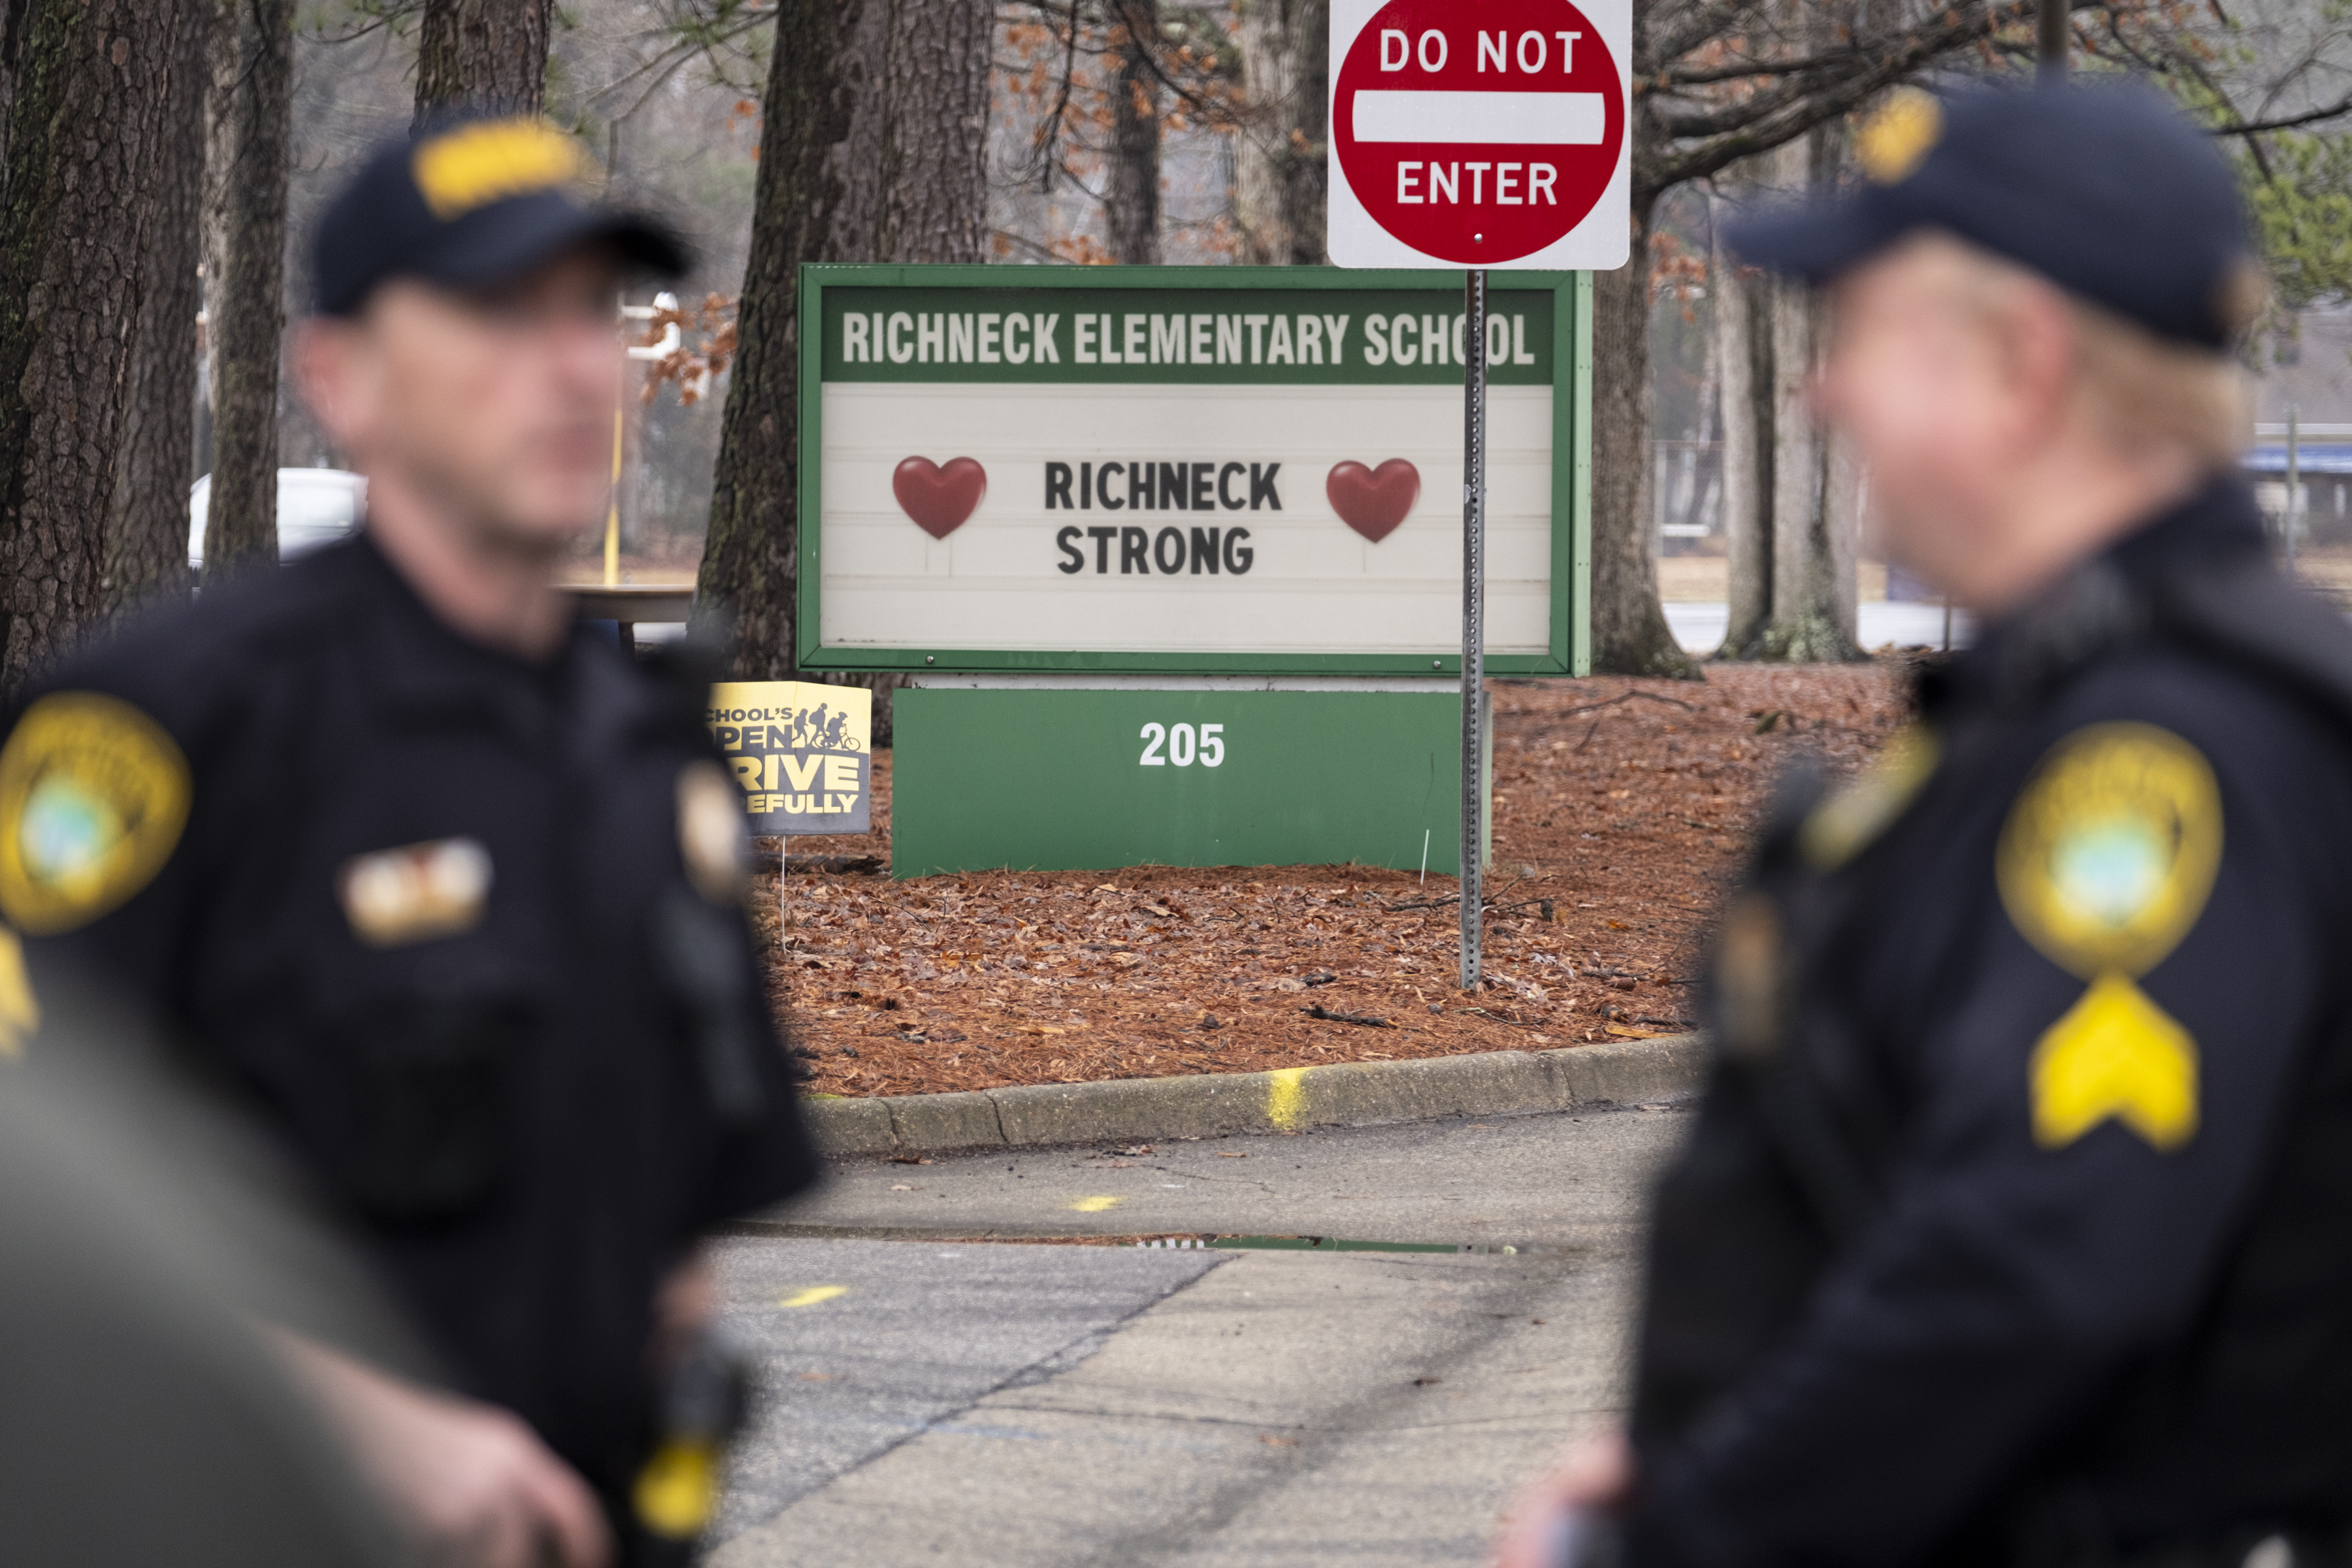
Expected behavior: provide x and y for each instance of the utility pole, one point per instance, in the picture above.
(2050, 55)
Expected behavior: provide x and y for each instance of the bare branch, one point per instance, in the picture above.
(2342, 107)
(1769, 119)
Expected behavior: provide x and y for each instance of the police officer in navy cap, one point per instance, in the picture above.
(2016, 1226)
(443, 886)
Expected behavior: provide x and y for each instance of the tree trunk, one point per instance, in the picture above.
(1131, 197)
(85, 121)
(871, 149)
(1812, 569)
(147, 556)
(483, 54)
(1278, 159)
(1630, 635)
(248, 122)
(1744, 361)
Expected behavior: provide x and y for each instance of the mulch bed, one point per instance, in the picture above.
(1621, 808)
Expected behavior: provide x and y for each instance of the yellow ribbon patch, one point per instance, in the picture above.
(2116, 1053)
(93, 795)
(2105, 865)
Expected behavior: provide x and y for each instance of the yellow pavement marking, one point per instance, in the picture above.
(1285, 1096)
(1096, 1206)
(814, 1295)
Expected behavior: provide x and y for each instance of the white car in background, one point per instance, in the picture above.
(315, 507)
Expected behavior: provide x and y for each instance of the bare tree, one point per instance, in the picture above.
(1793, 540)
(88, 82)
(252, 57)
(1278, 157)
(147, 556)
(489, 54)
(1715, 81)
(872, 150)
(1097, 90)
(1131, 194)
(1743, 352)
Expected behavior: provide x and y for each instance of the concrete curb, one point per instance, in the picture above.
(1211, 1105)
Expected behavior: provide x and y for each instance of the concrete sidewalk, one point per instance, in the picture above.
(958, 1401)
(1215, 1105)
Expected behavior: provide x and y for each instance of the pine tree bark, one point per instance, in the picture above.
(1630, 634)
(249, 124)
(90, 80)
(1131, 193)
(483, 54)
(871, 149)
(147, 555)
(1278, 159)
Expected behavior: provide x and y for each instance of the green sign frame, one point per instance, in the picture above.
(1569, 650)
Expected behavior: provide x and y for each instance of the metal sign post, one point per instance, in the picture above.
(1474, 617)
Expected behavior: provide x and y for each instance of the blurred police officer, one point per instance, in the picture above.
(2017, 1226)
(441, 882)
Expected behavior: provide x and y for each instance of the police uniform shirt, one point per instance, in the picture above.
(2077, 1029)
(466, 930)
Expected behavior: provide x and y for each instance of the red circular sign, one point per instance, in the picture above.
(1479, 133)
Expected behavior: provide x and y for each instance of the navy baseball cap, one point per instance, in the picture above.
(2108, 191)
(471, 201)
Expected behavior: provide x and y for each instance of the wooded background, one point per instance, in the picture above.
(160, 161)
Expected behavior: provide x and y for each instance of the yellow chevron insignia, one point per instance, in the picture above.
(1844, 825)
(2108, 856)
(2116, 1053)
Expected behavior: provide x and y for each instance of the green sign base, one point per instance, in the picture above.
(1063, 779)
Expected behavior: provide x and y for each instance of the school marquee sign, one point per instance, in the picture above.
(1163, 470)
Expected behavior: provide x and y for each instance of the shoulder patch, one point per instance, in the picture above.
(2109, 855)
(20, 1011)
(93, 795)
(2114, 1053)
(1844, 825)
(712, 835)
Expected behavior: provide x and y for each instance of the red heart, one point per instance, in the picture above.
(1372, 501)
(940, 499)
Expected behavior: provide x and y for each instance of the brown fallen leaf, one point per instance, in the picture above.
(1224, 1154)
(1272, 1441)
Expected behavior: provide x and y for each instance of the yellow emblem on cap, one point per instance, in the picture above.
(93, 795)
(2116, 1053)
(1892, 142)
(491, 159)
(2109, 855)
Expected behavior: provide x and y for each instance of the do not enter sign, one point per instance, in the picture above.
(1489, 133)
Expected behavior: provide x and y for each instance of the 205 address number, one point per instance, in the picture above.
(1208, 746)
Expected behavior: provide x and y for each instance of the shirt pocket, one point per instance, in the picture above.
(431, 1070)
